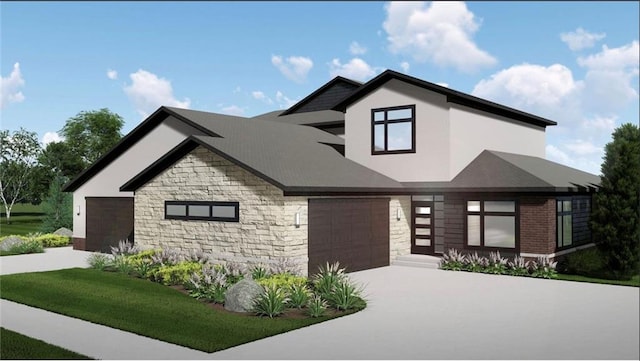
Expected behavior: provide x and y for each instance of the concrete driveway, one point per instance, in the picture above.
(419, 313)
(413, 313)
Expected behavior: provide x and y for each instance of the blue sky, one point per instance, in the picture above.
(573, 62)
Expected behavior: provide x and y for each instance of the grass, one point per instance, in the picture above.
(25, 218)
(15, 346)
(142, 307)
(634, 281)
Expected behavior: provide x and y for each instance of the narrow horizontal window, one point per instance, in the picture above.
(202, 211)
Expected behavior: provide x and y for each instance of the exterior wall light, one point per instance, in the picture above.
(297, 220)
(398, 216)
(77, 210)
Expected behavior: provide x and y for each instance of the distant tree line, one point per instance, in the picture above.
(31, 173)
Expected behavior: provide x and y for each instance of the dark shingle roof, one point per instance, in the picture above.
(318, 118)
(453, 96)
(326, 96)
(492, 170)
(297, 159)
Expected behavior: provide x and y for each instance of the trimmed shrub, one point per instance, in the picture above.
(271, 302)
(588, 262)
(298, 295)
(327, 278)
(176, 274)
(24, 247)
(346, 296)
(282, 280)
(99, 261)
(52, 240)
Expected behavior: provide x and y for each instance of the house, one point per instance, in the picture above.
(359, 173)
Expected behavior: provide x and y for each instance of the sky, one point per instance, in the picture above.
(572, 62)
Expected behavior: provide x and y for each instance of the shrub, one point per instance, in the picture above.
(124, 248)
(452, 260)
(271, 302)
(52, 240)
(142, 267)
(99, 261)
(197, 256)
(497, 264)
(298, 295)
(122, 264)
(9, 241)
(143, 255)
(587, 262)
(518, 267)
(346, 296)
(210, 285)
(327, 278)
(176, 274)
(234, 272)
(170, 256)
(282, 280)
(475, 263)
(317, 306)
(544, 268)
(285, 265)
(259, 271)
(23, 247)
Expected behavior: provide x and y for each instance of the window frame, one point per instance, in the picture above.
(385, 122)
(210, 204)
(482, 213)
(560, 225)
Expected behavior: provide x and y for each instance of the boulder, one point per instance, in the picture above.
(9, 242)
(64, 232)
(240, 297)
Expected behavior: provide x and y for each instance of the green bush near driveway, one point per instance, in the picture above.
(142, 307)
(16, 346)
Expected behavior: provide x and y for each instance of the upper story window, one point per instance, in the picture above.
(393, 130)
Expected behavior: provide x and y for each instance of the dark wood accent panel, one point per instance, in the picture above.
(109, 220)
(354, 232)
(454, 224)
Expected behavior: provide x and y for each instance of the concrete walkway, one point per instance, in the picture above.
(413, 313)
(51, 259)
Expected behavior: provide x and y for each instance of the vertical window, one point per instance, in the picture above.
(491, 224)
(564, 224)
(393, 130)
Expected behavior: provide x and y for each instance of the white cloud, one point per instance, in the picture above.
(261, 96)
(437, 32)
(233, 110)
(51, 137)
(112, 74)
(356, 69)
(405, 66)
(587, 110)
(10, 87)
(294, 68)
(148, 92)
(356, 49)
(284, 101)
(581, 39)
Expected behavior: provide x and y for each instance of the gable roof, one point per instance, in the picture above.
(129, 140)
(453, 96)
(315, 119)
(325, 97)
(492, 170)
(297, 159)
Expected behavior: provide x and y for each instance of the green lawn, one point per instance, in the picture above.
(25, 218)
(142, 307)
(15, 346)
(635, 281)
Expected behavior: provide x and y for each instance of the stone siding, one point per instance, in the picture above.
(399, 230)
(266, 231)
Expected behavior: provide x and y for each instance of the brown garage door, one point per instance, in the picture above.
(354, 232)
(109, 220)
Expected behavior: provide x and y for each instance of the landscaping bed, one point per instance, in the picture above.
(31, 243)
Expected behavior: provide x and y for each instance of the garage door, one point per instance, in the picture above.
(354, 232)
(109, 220)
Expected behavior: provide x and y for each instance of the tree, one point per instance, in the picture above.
(90, 134)
(56, 160)
(57, 207)
(615, 221)
(19, 156)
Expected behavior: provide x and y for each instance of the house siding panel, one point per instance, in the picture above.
(537, 225)
(581, 206)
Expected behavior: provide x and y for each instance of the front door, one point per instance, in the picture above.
(422, 228)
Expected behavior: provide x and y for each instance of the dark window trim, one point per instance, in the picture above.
(386, 122)
(482, 213)
(235, 218)
(564, 213)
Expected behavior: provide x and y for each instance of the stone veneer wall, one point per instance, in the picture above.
(266, 231)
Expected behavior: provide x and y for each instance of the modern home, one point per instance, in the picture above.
(356, 173)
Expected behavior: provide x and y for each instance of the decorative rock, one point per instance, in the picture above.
(9, 242)
(64, 232)
(240, 297)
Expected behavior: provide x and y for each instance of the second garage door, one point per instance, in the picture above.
(109, 220)
(354, 232)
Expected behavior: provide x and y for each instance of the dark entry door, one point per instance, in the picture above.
(422, 233)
